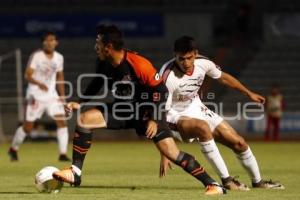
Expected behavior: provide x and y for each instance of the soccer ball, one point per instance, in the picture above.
(44, 181)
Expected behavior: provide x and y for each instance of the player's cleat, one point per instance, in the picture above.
(64, 158)
(13, 154)
(231, 183)
(268, 185)
(215, 189)
(68, 176)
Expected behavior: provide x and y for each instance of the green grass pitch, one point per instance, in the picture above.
(129, 171)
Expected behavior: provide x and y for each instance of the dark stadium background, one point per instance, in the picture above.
(257, 41)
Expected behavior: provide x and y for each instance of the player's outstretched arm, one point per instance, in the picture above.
(230, 81)
(165, 164)
(28, 76)
(60, 85)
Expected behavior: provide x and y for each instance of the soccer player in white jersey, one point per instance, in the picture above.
(44, 74)
(190, 118)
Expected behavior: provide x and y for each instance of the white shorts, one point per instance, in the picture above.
(36, 108)
(195, 110)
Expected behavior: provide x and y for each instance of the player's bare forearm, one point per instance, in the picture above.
(28, 76)
(230, 81)
(32, 81)
(60, 84)
(165, 164)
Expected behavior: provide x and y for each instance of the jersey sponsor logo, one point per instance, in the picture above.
(157, 77)
(183, 97)
(182, 85)
(196, 85)
(186, 97)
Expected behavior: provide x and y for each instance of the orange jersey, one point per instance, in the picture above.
(134, 70)
(144, 70)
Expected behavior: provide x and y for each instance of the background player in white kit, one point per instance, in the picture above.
(190, 118)
(44, 74)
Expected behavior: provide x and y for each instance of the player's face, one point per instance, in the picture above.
(50, 43)
(103, 51)
(185, 60)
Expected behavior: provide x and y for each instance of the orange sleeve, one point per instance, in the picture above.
(144, 70)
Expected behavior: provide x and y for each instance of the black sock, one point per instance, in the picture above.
(192, 166)
(81, 144)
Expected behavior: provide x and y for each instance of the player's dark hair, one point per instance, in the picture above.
(110, 34)
(46, 34)
(185, 44)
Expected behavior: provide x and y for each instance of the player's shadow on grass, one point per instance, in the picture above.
(137, 187)
(17, 192)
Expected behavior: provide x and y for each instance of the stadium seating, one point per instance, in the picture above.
(277, 62)
(79, 58)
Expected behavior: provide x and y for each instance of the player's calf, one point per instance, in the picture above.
(81, 144)
(18, 139)
(13, 154)
(192, 166)
(189, 164)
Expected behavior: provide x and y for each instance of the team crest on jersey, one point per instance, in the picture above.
(182, 97)
(156, 77)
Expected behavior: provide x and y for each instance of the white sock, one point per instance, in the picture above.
(248, 161)
(212, 154)
(76, 170)
(62, 139)
(19, 138)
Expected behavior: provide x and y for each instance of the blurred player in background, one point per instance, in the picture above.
(45, 92)
(136, 83)
(186, 114)
(274, 109)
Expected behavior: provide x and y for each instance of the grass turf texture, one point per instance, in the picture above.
(129, 170)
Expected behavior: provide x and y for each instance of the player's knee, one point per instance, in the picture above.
(92, 119)
(240, 146)
(86, 118)
(27, 128)
(61, 124)
(168, 148)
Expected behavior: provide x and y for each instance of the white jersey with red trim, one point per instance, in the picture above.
(45, 71)
(183, 88)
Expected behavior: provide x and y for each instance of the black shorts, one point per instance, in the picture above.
(130, 120)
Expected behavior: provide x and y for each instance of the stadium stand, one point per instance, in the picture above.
(275, 62)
